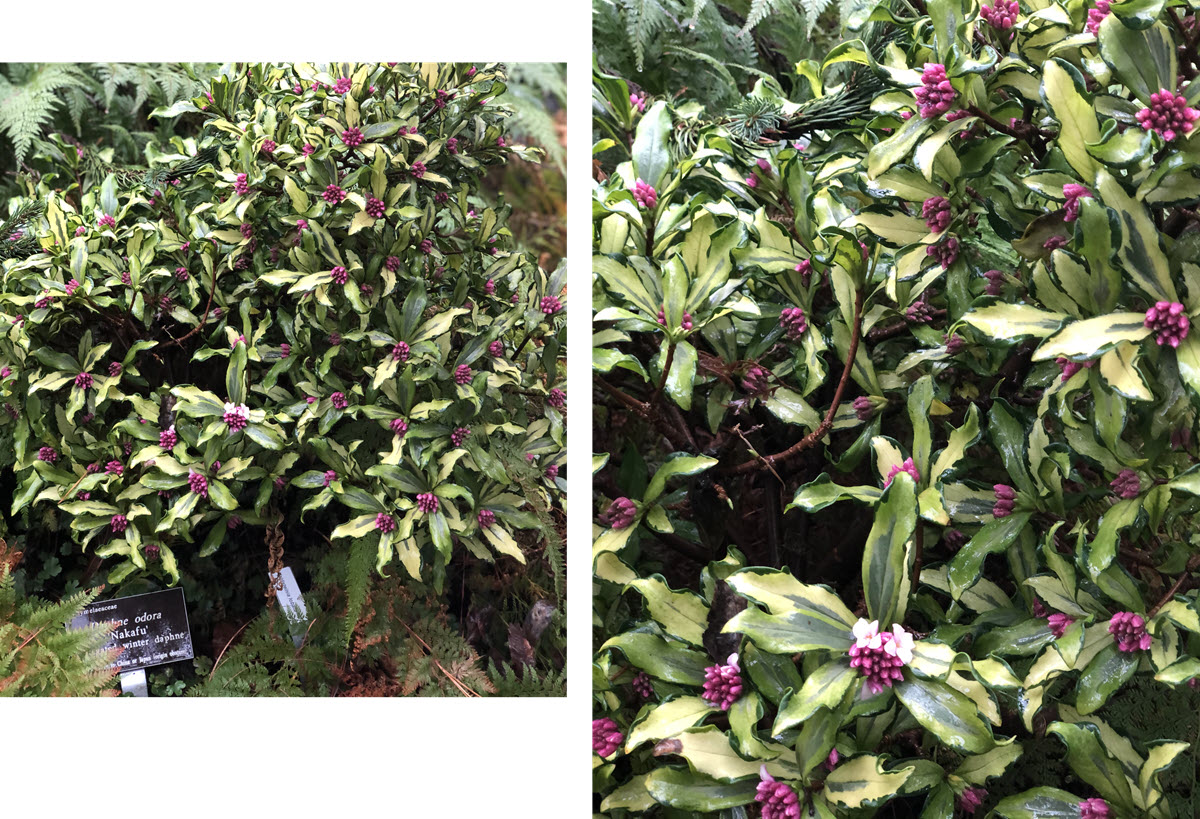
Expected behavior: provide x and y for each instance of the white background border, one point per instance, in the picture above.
(331, 758)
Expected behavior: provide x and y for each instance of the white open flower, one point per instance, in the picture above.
(867, 633)
(901, 644)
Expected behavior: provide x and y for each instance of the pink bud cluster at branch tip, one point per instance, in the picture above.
(805, 269)
(339, 275)
(793, 321)
(269, 146)
(400, 351)
(1094, 808)
(486, 518)
(107, 221)
(333, 194)
(864, 408)
(385, 523)
(83, 381)
(936, 93)
(496, 348)
(241, 186)
(1168, 322)
(198, 483)
(307, 149)
(168, 438)
(375, 207)
(1005, 500)
(426, 246)
(1073, 193)
(462, 375)
(452, 146)
(995, 282)
(47, 454)
(606, 739)
(908, 466)
(114, 369)
(329, 477)
(1129, 630)
(638, 101)
(551, 472)
(459, 436)
(418, 170)
(642, 685)
(556, 398)
(399, 426)
(1001, 16)
(342, 86)
(1069, 367)
(1059, 623)
(880, 655)
(919, 312)
(119, 523)
(1168, 115)
(757, 380)
(338, 399)
(550, 305)
(954, 344)
(645, 195)
(779, 800)
(392, 263)
(723, 684)
(1096, 16)
(1126, 485)
(946, 251)
(937, 213)
(971, 799)
(427, 502)
(1055, 243)
(619, 514)
(352, 137)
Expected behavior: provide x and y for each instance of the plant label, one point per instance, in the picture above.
(291, 603)
(151, 629)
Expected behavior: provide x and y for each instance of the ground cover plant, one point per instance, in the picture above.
(895, 396)
(300, 334)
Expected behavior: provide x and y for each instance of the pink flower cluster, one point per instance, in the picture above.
(237, 416)
(426, 246)
(908, 466)
(1168, 115)
(418, 170)
(198, 483)
(1073, 193)
(399, 426)
(645, 195)
(757, 380)
(937, 213)
(168, 438)
(880, 655)
(1094, 808)
(47, 454)
(72, 286)
(1002, 16)
(864, 408)
(1069, 367)
(107, 221)
(779, 800)
(462, 375)
(995, 282)
(342, 86)
(392, 263)
(114, 369)
(119, 523)
(557, 398)
(638, 101)
(375, 207)
(971, 799)
(1096, 16)
(241, 187)
(606, 739)
(1168, 322)
(551, 305)
(353, 137)
(83, 381)
(459, 435)
(496, 348)
(269, 146)
(620, 514)
(1006, 498)
(333, 194)
(486, 518)
(452, 146)
(1127, 484)
(339, 275)
(804, 268)
(919, 312)
(954, 344)
(723, 684)
(338, 399)
(793, 321)
(1129, 629)
(385, 523)
(400, 352)
(427, 502)
(936, 94)
(1059, 623)
(946, 252)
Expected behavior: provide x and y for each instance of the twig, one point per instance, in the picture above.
(634, 404)
(1192, 565)
(203, 319)
(817, 434)
(466, 690)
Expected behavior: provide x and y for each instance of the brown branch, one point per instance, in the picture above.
(1192, 565)
(769, 461)
(204, 318)
(634, 404)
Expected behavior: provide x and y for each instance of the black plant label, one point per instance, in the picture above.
(151, 629)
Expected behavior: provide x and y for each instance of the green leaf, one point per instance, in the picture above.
(652, 145)
(978, 768)
(947, 713)
(687, 790)
(679, 384)
(993, 538)
(676, 467)
(667, 719)
(360, 526)
(1040, 803)
(1144, 60)
(1092, 764)
(863, 782)
(658, 658)
(823, 492)
(1140, 250)
(817, 739)
(1063, 90)
(885, 569)
(1108, 671)
(825, 688)
(682, 614)
(1090, 337)
(1010, 321)
(887, 153)
(1118, 517)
